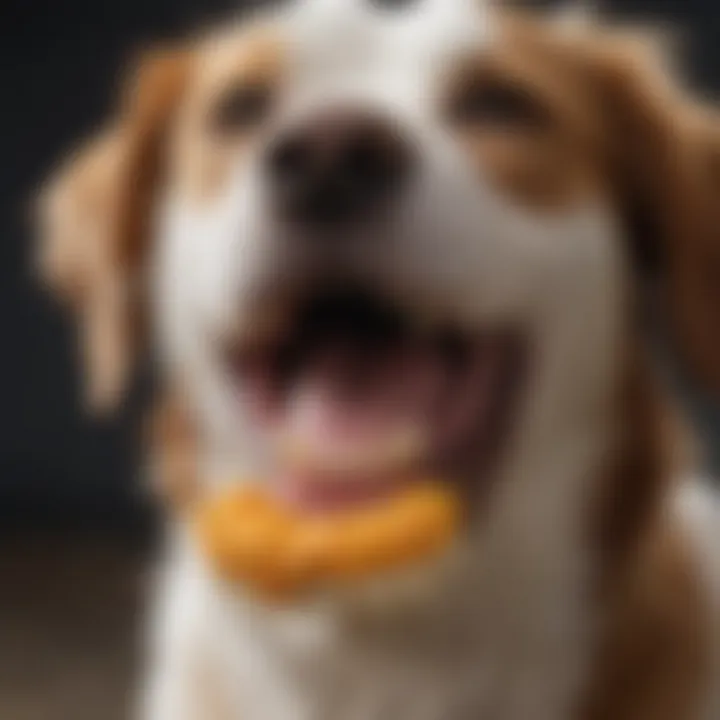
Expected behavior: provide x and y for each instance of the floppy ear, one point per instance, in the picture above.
(693, 276)
(663, 156)
(95, 216)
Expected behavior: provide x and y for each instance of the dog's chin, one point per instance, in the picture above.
(357, 397)
(404, 595)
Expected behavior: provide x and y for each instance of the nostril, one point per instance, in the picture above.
(364, 162)
(290, 160)
(376, 159)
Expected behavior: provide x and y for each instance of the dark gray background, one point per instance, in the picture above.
(58, 68)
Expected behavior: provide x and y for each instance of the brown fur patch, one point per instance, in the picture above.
(640, 137)
(693, 293)
(96, 233)
(620, 128)
(173, 447)
(551, 162)
(73, 215)
(656, 151)
(651, 663)
(651, 615)
(203, 159)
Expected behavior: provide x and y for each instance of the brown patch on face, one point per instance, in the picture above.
(521, 112)
(234, 90)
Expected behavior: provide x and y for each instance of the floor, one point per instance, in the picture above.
(68, 629)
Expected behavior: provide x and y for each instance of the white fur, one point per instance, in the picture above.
(698, 507)
(505, 635)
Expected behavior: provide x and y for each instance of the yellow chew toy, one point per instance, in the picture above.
(251, 537)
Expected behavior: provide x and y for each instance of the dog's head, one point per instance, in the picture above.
(367, 241)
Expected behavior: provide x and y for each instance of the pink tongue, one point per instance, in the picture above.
(347, 409)
(346, 398)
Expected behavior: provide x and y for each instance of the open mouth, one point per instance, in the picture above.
(358, 398)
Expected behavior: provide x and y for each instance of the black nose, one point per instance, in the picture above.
(337, 166)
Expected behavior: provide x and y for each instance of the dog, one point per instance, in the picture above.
(467, 210)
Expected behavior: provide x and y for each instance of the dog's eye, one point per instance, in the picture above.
(495, 105)
(241, 108)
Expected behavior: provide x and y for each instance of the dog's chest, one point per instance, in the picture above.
(348, 677)
(313, 668)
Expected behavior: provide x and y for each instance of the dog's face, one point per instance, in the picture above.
(382, 243)
(373, 231)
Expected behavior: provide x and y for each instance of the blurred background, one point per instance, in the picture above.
(74, 525)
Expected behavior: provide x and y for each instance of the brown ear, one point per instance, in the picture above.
(662, 151)
(693, 276)
(95, 215)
